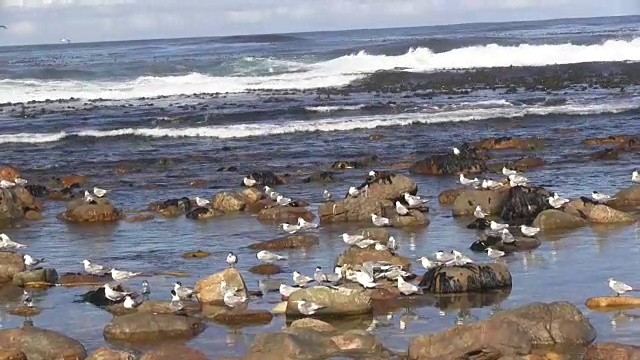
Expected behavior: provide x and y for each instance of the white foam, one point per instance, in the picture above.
(336, 72)
(327, 109)
(333, 124)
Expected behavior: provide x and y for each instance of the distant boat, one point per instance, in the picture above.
(65, 41)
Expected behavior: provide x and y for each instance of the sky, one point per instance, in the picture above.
(47, 21)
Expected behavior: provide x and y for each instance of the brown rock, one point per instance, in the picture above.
(626, 199)
(143, 327)
(468, 278)
(413, 219)
(392, 187)
(26, 200)
(32, 215)
(336, 302)
(448, 197)
(527, 162)
(139, 217)
(356, 256)
(228, 202)
(378, 234)
(255, 208)
(266, 269)
(209, 289)
(38, 343)
(252, 195)
(237, 317)
(71, 180)
(449, 164)
(612, 351)
(174, 352)
(358, 341)
(43, 275)
(609, 140)
(12, 354)
(287, 242)
(509, 143)
(557, 220)
(202, 213)
(606, 154)
(313, 324)
(191, 308)
(196, 254)
(352, 209)
(104, 353)
(79, 211)
(303, 344)
(8, 173)
(83, 280)
(198, 183)
(10, 265)
(612, 302)
(603, 214)
(10, 206)
(490, 200)
(286, 214)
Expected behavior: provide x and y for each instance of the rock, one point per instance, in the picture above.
(202, 213)
(268, 178)
(174, 352)
(479, 224)
(612, 351)
(143, 327)
(191, 308)
(467, 278)
(448, 197)
(97, 297)
(10, 265)
(266, 269)
(26, 200)
(302, 344)
(9, 173)
(47, 276)
(352, 209)
(521, 244)
(287, 242)
(612, 302)
(355, 257)
(526, 163)
(605, 154)
(609, 140)
(359, 342)
(603, 214)
(626, 199)
(73, 180)
(236, 317)
(313, 324)
(378, 234)
(32, 215)
(286, 214)
(469, 199)
(338, 303)
(104, 353)
(524, 204)
(70, 279)
(228, 202)
(209, 289)
(557, 220)
(80, 211)
(198, 183)
(41, 344)
(361, 163)
(390, 186)
(414, 219)
(139, 217)
(171, 207)
(198, 254)
(321, 177)
(507, 142)
(449, 164)
(10, 206)
(25, 311)
(12, 354)
(251, 195)
(280, 308)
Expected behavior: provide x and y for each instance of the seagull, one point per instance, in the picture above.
(88, 198)
(426, 263)
(443, 257)
(181, 291)
(326, 195)
(498, 226)
(494, 253)
(392, 244)
(93, 269)
(304, 224)
(458, 257)
(365, 279)
(5, 184)
(599, 197)
(20, 182)
(372, 174)
(380, 220)
(319, 275)
(176, 304)
(336, 276)
(478, 213)
(120, 275)
(99, 192)
(232, 300)
(529, 231)
(407, 288)
(635, 177)
(517, 180)
(467, 182)
(300, 279)
(114, 295)
(232, 260)
(352, 239)
(308, 308)
(508, 172)
(202, 202)
(366, 243)
(130, 303)
(30, 261)
(354, 192)
(283, 201)
(456, 151)
(248, 182)
(414, 200)
(8, 243)
(286, 290)
(619, 287)
(27, 300)
(288, 228)
(401, 209)
(146, 289)
(490, 184)
(507, 238)
(556, 202)
(269, 257)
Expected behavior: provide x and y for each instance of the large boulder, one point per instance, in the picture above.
(557, 220)
(190, 308)
(10, 265)
(357, 209)
(448, 197)
(228, 202)
(390, 186)
(490, 201)
(626, 199)
(9, 173)
(101, 211)
(10, 206)
(209, 289)
(413, 219)
(41, 344)
(287, 242)
(450, 164)
(523, 204)
(172, 207)
(597, 213)
(237, 317)
(355, 257)
(143, 327)
(467, 278)
(612, 351)
(341, 302)
(174, 352)
(507, 142)
(288, 214)
(295, 344)
(36, 276)
(105, 353)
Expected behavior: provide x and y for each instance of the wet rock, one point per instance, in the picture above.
(171, 207)
(338, 302)
(523, 204)
(70, 279)
(609, 140)
(80, 211)
(147, 327)
(9, 173)
(507, 142)
(602, 302)
(33, 215)
(228, 202)
(191, 308)
(209, 289)
(42, 276)
(265, 269)
(287, 242)
(73, 180)
(139, 217)
(41, 344)
(390, 186)
(596, 213)
(174, 352)
(105, 353)
(195, 254)
(198, 183)
(10, 206)
(449, 164)
(467, 278)
(321, 177)
(414, 219)
(612, 351)
(378, 234)
(605, 154)
(25, 311)
(202, 213)
(626, 199)
(26, 200)
(479, 224)
(355, 257)
(352, 209)
(12, 354)
(251, 195)
(267, 178)
(255, 208)
(286, 214)
(300, 344)
(557, 220)
(521, 244)
(313, 324)
(236, 317)
(448, 197)
(527, 163)
(361, 163)
(468, 200)
(10, 265)
(359, 342)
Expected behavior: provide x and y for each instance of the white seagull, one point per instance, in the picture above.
(506, 236)
(442, 256)
(599, 197)
(232, 300)
(478, 213)
(289, 228)
(467, 182)
(88, 198)
(283, 201)
(635, 177)
(248, 182)
(5, 184)
(414, 200)
(31, 262)
(494, 253)
(269, 257)
(121, 275)
(354, 192)
(326, 195)
(93, 269)
(619, 287)
(113, 294)
(351, 239)
(426, 263)
(517, 180)
(130, 303)
(304, 224)
(202, 202)
(508, 172)
(20, 181)
(456, 151)
(232, 259)
(529, 231)
(490, 184)
(380, 220)
(401, 209)
(407, 288)
(182, 291)
(392, 244)
(498, 226)
(99, 192)
(286, 290)
(556, 202)
(308, 308)
(365, 279)
(300, 279)
(8, 243)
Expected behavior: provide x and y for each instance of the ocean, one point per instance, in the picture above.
(146, 118)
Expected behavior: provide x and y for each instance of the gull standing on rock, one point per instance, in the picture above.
(508, 172)
(286, 290)
(232, 300)
(380, 220)
(456, 151)
(5, 184)
(401, 209)
(130, 303)
(304, 224)
(181, 291)
(88, 198)
(426, 263)
(319, 275)
(498, 226)
(248, 182)
(467, 182)
(529, 231)
(365, 279)
(99, 192)
(269, 257)
(392, 244)
(114, 295)
(27, 300)
(351, 239)
(494, 253)
(232, 260)
(326, 195)
(414, 200)
(635, 177)
(506, 236)
(8, 243)
(20, 182)
(31, 262)
(556, 202)
(288, 228)
(308, 308)
(619, 287)
(283, 201)
(599, 197)
(176, 304)
(442, 256)
(478, 213)
(301, 280)
(407, 288)
(121, 275)
(354, 192)
(517, 180)
(202, 202)
(146, 289)
(490, 184)
(93, 269)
